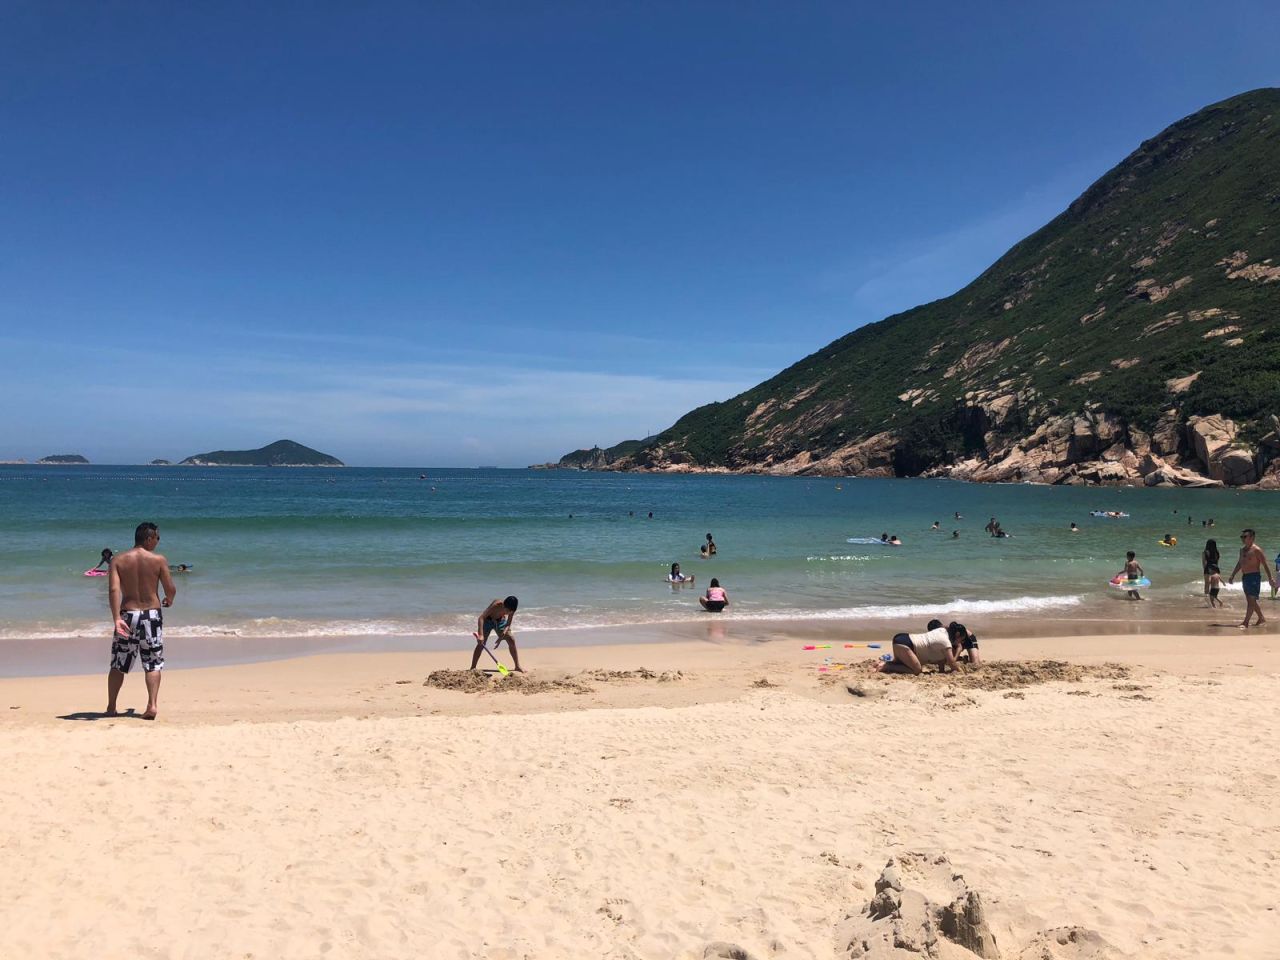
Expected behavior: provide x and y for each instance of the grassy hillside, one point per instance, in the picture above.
(1164, 268)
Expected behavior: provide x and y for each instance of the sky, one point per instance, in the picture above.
(451, 234)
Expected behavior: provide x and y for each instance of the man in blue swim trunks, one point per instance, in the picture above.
(497, 616)
(1250, 566)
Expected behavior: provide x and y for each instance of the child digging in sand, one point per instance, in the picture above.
(912, 651)
(497, 617)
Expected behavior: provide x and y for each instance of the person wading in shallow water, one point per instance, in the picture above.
(136, 621)
(1250, 566)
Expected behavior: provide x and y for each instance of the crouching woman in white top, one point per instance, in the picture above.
(912, 651)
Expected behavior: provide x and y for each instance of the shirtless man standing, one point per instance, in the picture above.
(136, 621)
(1252, 561)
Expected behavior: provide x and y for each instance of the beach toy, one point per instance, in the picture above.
(887, 657)
(95, 573)
(1120, 583)
(501, 669)
(817, 646)
(870, 646)
(1171, 542)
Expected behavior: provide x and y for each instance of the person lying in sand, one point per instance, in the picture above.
(497, 616)
(911, 651)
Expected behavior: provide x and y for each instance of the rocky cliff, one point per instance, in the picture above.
(1135, 339)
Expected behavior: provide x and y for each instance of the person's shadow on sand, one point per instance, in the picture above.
(128, 714)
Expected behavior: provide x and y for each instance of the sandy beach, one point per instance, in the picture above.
(1102, 796)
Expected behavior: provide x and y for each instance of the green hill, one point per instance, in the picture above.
(1087, 353)
(282, 453)
(63, 458)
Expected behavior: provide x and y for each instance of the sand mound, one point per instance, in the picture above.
(1007, 674)
(924, 908)
(993, 675)
(476, 681)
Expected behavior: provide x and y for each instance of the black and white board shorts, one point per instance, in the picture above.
(145, 641)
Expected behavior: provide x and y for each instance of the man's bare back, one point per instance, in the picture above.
(134, 600)
(136, 578)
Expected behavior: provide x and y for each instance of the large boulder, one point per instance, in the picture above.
(1157, 473)
(1209, 435)
(1168, 437)
(1213, 439)
(1234, 467)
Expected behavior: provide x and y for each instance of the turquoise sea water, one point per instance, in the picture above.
(352, 552)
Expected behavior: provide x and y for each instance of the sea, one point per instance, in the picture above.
(413, 554)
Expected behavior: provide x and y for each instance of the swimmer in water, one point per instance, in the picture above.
(106, 559)
(675, 576)
(1074, 528)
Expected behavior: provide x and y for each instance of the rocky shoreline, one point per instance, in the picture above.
(1090, 448)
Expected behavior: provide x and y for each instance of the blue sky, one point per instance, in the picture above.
(459, 233)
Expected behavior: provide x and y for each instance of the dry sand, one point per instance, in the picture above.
(664, 801)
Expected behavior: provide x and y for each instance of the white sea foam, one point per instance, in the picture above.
(890, 611)
(538, 621)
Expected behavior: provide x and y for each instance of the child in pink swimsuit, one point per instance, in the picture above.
(716, 599)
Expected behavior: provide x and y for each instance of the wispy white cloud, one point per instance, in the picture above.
(367, 412)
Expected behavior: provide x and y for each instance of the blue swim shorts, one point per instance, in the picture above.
(1252, 583)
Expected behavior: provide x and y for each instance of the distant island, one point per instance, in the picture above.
(63, 458)
(282, 453)
(161, 463)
